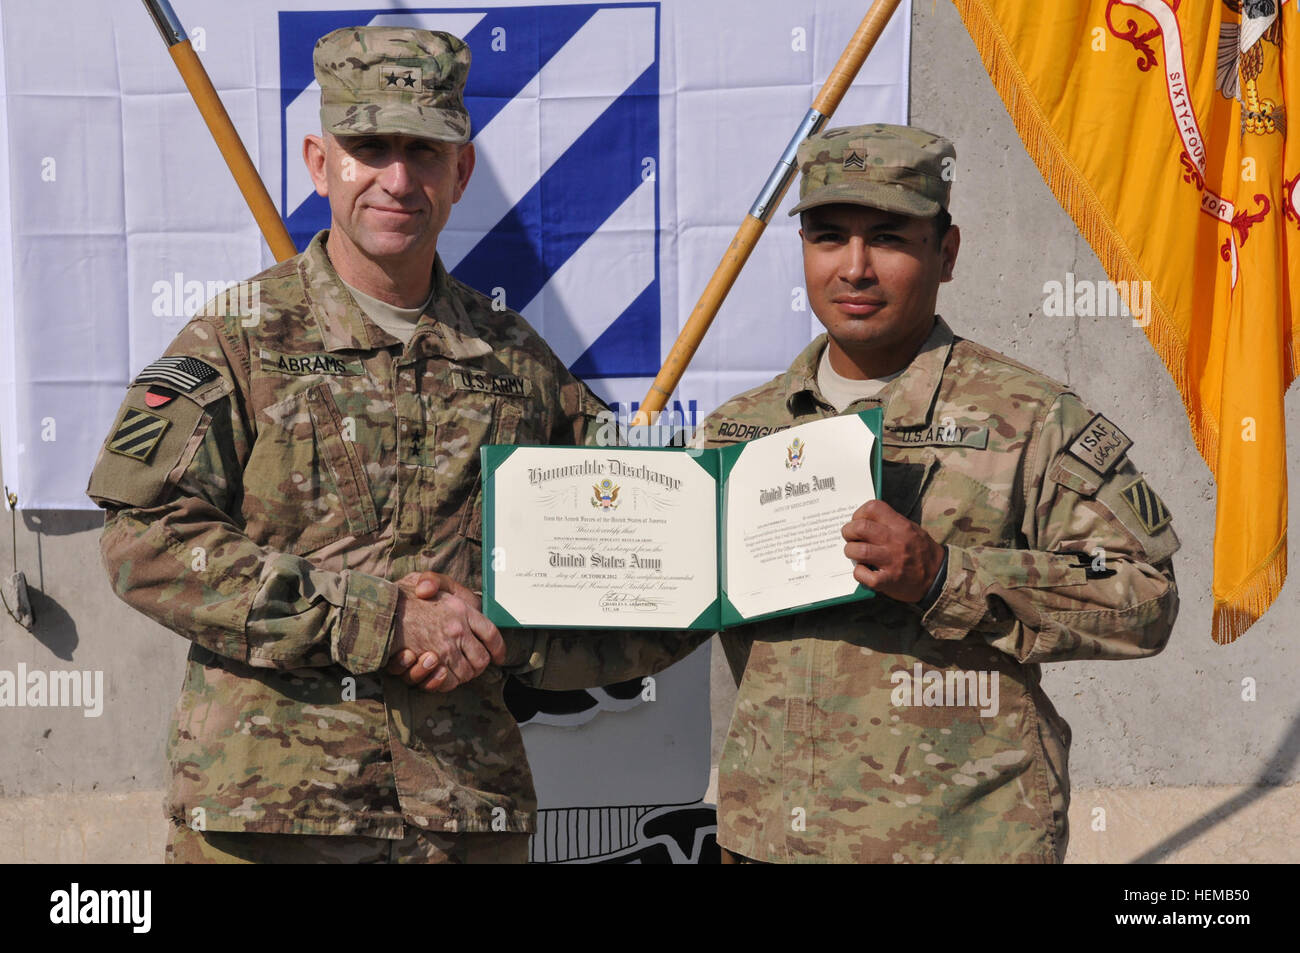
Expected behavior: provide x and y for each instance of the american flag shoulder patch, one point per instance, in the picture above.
(185, 374)
(137, 434)
(1149, 508)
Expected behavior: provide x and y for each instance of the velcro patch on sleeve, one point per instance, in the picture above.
(144, 448)
(1149, 508)
(185, 374)
(1074, 475)
(137, 434)
(1101, 445)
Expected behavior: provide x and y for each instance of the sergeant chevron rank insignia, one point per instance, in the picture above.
(137, 434)
(1148, 507)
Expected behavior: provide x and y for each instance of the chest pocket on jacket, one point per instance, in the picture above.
(960, 510)
(305, 484)
(931, 488)
(507, 420)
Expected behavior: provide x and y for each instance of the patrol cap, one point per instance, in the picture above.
(383, 80)
(896, 168)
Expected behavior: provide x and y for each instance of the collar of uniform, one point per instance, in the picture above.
(344, 326)
(907, 398)
(801, 379)
(445, 327)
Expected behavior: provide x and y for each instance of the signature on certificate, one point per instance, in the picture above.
(626, 601)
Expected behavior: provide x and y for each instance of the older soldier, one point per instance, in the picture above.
(271, 476)
(1013, 529)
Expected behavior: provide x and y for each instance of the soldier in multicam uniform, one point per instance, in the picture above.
(1013, 529)
(270, 477)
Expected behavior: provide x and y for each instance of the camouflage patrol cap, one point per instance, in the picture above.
(896, 168)
(382, 80)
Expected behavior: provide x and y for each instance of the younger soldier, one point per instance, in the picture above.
(1013, 529)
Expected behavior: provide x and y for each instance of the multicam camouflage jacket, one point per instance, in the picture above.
(266, 481)
(878, 732)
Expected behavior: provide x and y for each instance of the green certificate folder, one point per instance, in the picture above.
(617, 537)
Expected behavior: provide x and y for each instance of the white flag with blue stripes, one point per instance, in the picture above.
(619, 145)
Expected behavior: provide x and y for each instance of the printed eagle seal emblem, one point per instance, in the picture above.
(605, 495)
(794, 454)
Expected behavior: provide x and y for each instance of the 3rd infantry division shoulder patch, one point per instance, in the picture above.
(1148, 507)
(137, 434)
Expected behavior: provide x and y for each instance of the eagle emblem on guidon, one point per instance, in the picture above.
(606, 495)
(794, 454)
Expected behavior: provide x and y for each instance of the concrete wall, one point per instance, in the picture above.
(1182, 767)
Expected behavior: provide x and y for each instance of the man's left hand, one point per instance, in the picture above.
(895, 556)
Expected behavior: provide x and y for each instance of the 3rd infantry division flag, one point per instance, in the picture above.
(1161, 126)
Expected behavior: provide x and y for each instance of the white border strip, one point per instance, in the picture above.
(8, 326)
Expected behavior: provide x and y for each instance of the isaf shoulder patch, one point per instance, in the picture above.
(1101, 445)
(1149, 508)
(137, 434)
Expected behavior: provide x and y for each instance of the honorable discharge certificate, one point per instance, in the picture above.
(613, 538)
(660, 538)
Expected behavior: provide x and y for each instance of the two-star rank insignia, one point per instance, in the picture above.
(405, 78)
(1149, 508)
(137, 434)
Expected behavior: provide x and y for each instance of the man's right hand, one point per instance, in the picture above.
(451, 641)
(428, 584)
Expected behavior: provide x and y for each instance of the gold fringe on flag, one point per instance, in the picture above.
(1246, 602)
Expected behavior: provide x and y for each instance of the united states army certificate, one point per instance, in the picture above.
(581, 537)
(609, 538)
(785, 500)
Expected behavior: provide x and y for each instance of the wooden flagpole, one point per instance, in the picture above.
(222, 129)
(760, 213)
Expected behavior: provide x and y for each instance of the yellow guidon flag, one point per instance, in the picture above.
(1161, 127)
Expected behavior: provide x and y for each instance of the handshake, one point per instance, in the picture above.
(440, 639)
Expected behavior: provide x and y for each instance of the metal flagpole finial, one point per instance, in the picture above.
(168, 23)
